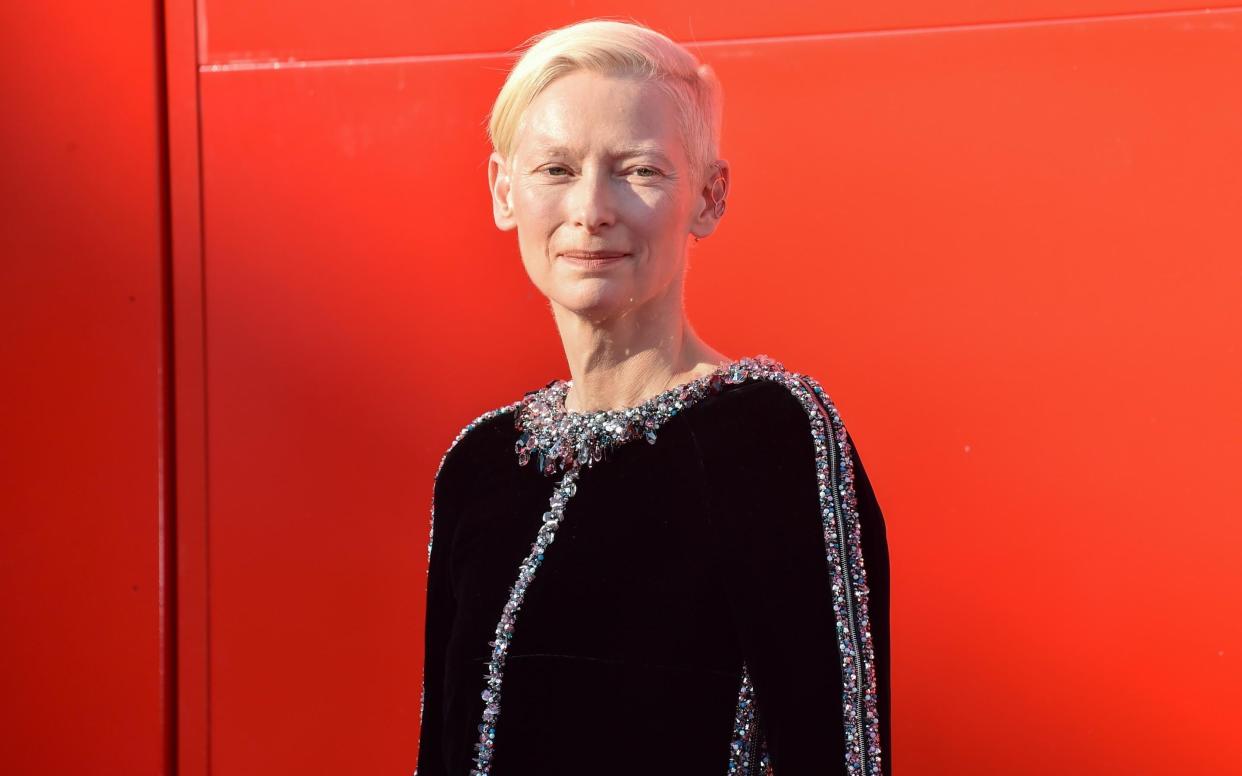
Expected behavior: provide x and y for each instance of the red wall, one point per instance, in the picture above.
(85, 529)
(1007, 243)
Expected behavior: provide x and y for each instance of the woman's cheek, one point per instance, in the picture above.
(541, 210)
(530, 197)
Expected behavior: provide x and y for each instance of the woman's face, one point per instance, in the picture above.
(599, 165)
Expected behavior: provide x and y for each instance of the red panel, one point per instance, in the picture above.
(283, 30)
(1028, 235)
(82, 443)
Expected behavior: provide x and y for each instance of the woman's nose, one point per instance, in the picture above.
(592, 201)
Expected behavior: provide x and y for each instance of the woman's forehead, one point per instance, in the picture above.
(594, 113)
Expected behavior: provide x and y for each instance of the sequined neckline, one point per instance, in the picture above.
(560, 439)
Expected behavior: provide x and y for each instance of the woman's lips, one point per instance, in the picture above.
(593, 259)
(594, 254)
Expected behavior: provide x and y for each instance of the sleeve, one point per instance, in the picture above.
(789, 592)
(440, 611)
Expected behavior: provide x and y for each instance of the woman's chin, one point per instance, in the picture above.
(595, 298)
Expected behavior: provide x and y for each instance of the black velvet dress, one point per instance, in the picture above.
(696, 586)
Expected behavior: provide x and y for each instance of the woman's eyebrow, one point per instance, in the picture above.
(621, 153)
(639, 150)
(552, 150)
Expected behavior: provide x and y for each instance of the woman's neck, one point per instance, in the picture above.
(626, 363)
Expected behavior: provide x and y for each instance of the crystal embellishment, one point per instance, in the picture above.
(748, 754)
(559, 440)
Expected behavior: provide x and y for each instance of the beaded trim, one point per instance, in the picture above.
(431, 524)
(747, 739)
(564, 442)
(561, 440)
(851, 528)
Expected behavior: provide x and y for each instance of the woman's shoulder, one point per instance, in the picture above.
(489, 438)
(760, 394)
(774, 402)
(770, 411)
(479, 441)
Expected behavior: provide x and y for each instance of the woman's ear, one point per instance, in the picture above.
(498, 181)
(710, 200)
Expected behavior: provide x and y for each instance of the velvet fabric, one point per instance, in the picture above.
(676, 562)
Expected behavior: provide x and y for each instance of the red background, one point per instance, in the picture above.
(250, 289)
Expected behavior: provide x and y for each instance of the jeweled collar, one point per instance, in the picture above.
(561, 440)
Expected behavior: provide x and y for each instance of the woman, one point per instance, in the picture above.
(672, 563)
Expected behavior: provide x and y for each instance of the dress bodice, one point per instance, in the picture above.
(694, 585)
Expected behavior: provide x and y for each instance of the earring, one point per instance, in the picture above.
(718, 199)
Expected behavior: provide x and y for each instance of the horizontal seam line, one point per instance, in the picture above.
(279, 64)
(623, 662)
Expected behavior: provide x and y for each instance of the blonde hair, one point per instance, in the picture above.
(614, 48)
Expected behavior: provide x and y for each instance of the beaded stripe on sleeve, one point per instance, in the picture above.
(851, 527)
(562, 442)
(748, 754)
(431, 525)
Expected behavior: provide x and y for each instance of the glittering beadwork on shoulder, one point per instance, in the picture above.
(563, 442)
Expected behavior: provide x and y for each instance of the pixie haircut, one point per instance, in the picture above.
(614, 48)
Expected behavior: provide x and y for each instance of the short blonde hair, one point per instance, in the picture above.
(614, 48)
